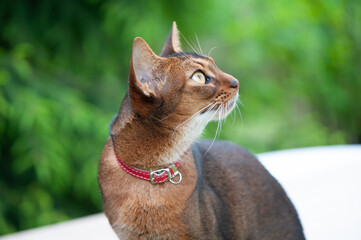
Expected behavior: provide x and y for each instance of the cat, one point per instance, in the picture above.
(158, 182)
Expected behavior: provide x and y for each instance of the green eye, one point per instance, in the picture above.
(199, 77)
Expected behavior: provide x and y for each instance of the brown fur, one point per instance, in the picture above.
(224, 194)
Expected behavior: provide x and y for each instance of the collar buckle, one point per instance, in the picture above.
(158, 172)
(175, 173)
(169, 174)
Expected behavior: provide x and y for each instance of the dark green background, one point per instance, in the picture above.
(63, 73)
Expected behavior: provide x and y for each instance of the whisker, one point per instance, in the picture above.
(190, 117)
(164, 117)
(240, 114)
(238, 100)
(188, 43)
(210, 51)
(225, 111)
(234, 113)
(199, 45)
(204, 116)
(214, 113)
(210, 146)
(206, 113)
(219, 126)
(221, 119)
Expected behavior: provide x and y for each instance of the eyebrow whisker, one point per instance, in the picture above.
(199, 45)
(188, 43)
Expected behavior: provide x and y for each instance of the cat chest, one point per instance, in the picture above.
(142, 216)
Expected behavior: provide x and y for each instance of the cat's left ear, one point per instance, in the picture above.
(172, 45)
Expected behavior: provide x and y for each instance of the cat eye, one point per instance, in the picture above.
(200, 77)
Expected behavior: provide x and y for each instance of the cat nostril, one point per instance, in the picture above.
(234, 84)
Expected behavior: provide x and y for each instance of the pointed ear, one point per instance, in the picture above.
(172, 45)
(143, 83)
(142, 66)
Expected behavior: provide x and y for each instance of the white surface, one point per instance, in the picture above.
(324, 183)
(94, 227)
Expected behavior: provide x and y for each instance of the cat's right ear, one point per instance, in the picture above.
(172, 45)
(143, 85)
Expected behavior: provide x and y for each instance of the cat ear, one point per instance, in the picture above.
(172, 45)
(143, 64)
(144, 85)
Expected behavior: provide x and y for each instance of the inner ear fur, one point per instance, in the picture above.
(172, 45)
(143, 66)
(144, 86)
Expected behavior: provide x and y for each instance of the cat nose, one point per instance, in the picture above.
(234, 84)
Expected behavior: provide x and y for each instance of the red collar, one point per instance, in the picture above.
(157, 176)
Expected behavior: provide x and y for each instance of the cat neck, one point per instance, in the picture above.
(149, 144)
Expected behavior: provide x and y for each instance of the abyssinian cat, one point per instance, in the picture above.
(155, 178)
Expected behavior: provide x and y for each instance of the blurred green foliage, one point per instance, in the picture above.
(63, 73)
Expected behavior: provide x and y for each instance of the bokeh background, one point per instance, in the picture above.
(63, 74)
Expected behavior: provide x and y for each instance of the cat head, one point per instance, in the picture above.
(177, 86)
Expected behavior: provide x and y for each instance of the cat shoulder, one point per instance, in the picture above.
(224, 152)
(224, 159)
